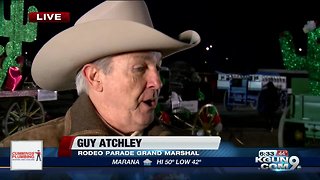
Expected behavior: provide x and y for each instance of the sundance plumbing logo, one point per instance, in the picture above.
(26, 155)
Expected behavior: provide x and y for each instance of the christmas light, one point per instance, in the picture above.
(17, 33)
(310, 62)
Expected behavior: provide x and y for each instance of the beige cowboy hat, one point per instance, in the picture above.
(112, 27)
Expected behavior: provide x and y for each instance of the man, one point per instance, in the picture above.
(112, 55)
(269, 102)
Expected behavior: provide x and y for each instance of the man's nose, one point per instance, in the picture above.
(153, 80)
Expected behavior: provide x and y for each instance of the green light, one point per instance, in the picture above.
(17, 33)
(310, 62)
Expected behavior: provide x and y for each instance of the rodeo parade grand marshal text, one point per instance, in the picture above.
(138, 153)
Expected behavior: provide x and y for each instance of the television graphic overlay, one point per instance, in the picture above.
(26, 155)
(233, 45)
(49, 17)
(141, 150)
(277, 160)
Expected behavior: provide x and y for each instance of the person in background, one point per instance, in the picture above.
(268, 104)
(112, 56)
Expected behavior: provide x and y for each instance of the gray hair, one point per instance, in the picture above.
(101, 63)
(104, 64)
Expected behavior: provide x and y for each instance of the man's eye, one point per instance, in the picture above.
(139, 68)
(158, 68)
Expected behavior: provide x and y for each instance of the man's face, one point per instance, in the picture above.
(130, 90)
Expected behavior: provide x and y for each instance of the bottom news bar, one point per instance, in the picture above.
(160, 162)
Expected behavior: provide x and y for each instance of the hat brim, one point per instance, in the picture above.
(57, 62)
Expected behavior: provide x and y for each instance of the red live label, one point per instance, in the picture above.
(282, 153)
(49, 17)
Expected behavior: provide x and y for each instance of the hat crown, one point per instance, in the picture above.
(136, 11)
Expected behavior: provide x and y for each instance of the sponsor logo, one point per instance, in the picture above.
(26, 155)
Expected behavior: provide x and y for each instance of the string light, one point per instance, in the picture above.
(17, 33)
(310, 62)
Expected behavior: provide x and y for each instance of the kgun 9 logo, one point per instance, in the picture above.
(277, 160)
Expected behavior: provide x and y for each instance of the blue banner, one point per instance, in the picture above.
(226, 156)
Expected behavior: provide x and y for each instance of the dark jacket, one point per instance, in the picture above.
(269, 99)
(80, 120)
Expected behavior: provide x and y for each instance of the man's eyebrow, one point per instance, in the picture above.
(147, 57)
(143, 56)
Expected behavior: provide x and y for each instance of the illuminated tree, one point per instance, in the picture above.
(310, 62)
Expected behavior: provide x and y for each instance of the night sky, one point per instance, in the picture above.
(244, 36)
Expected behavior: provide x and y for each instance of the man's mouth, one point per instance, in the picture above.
(152, 103)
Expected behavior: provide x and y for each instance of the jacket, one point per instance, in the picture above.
(81, 119)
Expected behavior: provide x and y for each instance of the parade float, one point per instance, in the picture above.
(300, 122)
(20, 105)
(242, 91)
(191, 114)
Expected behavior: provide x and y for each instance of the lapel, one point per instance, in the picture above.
(82, 119)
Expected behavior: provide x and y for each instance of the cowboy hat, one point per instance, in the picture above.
(110, 28)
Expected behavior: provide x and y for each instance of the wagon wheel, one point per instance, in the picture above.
(23, 114)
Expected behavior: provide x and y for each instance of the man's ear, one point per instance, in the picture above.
(93, 77)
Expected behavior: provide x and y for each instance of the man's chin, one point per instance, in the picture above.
(146, 121)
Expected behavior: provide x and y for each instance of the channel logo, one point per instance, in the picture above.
(49, 17)
(277, 160)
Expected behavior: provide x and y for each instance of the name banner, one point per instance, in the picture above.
(139, 145)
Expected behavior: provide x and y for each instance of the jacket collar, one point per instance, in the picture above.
(83, 119)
